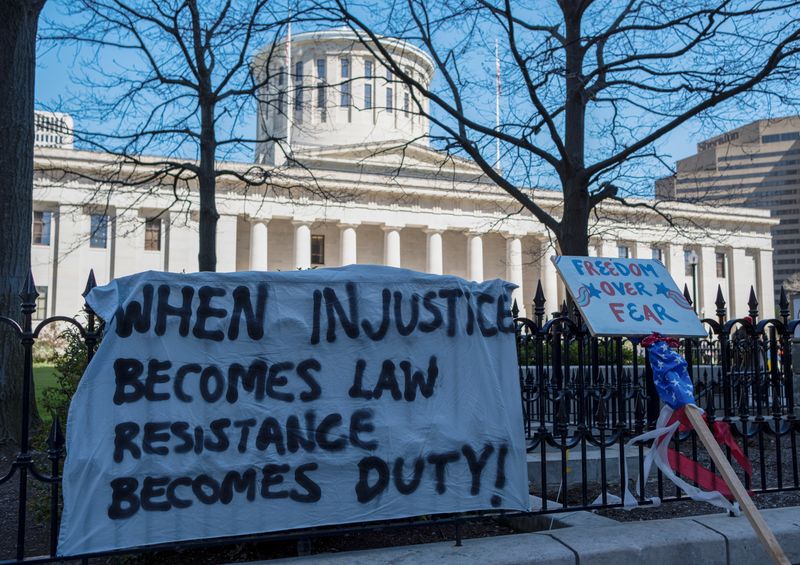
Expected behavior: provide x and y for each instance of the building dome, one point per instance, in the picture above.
(330, 89)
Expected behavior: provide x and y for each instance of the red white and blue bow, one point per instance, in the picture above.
(675, 388)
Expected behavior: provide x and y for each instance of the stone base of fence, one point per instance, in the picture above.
(712, 540)
(593, 464)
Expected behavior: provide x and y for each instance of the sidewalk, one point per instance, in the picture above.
(710, 540)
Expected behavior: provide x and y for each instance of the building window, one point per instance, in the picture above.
(322, 96)
(321, 101)
(41, 303)
(691, 260)
(344, 100)
(367, 96)
(658, 254)
(406, 102)
(623, 252)
(98, 237)
(790, 136)
(298, 84)
(720, 265)
(368, 85)
(41, 227)
(317, 249)
(152, 234)
(389, 92)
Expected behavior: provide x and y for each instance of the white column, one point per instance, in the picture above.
(739, 281)
(475, 257)
(677, 265)
(549, 278)
(348, 244)
(642, 250)
(608, 248)
(183, 243)
(68, 237)
(434, 254)
(391, 246)
(707, 283)
(514, 268)
(302, 245)
(766, 283)
(593, 245)
(128, 245)
(258, 245)
(226, 243)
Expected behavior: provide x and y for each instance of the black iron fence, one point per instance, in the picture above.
(583, 399)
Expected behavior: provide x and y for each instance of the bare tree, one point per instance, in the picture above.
(589, 86)
(18, 24)
(174, 79)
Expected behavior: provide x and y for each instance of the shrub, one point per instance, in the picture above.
(70, 364)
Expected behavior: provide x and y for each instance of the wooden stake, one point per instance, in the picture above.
(736, 487)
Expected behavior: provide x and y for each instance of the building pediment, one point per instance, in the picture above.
(399, 157)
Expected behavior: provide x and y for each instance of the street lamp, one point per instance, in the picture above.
(692, 260)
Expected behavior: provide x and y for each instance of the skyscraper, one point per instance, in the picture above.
(754, 166)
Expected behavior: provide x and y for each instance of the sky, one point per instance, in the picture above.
(58, 80)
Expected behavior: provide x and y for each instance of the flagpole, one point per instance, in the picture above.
(496, 104)
(289, 91)
(765, 535)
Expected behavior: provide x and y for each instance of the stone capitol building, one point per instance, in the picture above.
(384, 196)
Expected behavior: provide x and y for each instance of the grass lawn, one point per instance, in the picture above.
(44, 376)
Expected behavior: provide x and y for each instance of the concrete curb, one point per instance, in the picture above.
(711, 540)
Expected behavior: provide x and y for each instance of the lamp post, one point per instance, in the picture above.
(692, 260)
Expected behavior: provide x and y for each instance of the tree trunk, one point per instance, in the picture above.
(18, 24)
(207, 257)
(573, 237)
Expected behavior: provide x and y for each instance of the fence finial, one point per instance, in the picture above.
(28, 294)
(783, 303)
(687, 295)
(752, 303)
(90, 284)
(538, 303)
(55, 441)
(515, 309)
(720, 303)
(600, 413)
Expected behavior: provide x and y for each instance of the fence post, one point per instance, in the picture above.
(55, 446)
(786, 353)
(27, 297)
(652, 395)
(755, 387)
(724, 356)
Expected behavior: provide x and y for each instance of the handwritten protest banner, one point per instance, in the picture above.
(627, 297)
(227, 404)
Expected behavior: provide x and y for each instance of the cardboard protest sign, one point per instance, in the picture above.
(627, 297)
(228, 404)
